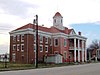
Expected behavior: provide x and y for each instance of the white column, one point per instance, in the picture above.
(78, 50)
(82, 51)
(89, 56)
(74, 49)
(85, 51)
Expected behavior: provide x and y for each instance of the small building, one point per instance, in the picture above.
(98, 54)
(53, 58)
(55, 40)
(93, 54)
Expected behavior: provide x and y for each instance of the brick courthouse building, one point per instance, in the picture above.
(54, 40)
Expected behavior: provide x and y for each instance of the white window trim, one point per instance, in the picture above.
(34, 38)
(42, 48)
(22, 40)
(50, 41)
(14, 48)
(47, 48)
(47, 40)
(14, 38)
(41, 41)
(56, 52)
(55, 43)
(17, 47)
(66, 42)
(66, 53)
(21, 47)
(13, 55)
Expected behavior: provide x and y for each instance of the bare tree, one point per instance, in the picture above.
(95, 44)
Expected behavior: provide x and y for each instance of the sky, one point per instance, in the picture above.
(81, 15)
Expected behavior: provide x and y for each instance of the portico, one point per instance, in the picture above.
(78, 48)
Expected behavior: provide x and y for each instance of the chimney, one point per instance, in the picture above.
(79, 33)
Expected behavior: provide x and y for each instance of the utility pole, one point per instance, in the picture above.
(36, 52)
(5, 58)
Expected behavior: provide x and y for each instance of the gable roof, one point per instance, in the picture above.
(25, 27)
(45, 29)
(71, 31)
(33, 27)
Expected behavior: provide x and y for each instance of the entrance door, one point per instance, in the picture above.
(71, 56)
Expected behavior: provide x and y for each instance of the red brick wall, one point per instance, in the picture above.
(29, 54)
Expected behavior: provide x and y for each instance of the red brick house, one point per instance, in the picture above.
(54, 40)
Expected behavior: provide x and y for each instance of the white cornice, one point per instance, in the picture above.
(29, 31)
(78, 37)
(48, 34)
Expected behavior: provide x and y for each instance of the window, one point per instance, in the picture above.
(50, 41)
(14, 47)
(18, 47)
(22, 58)
(18, 37)
(56, 52)
(56, 42)
(46, 39)
(65, 55)
(46, 48)
(22, 38)
(34, 38)
(34, 47)
(14, 38)
(41, 48)
(41, 38)
(61, 20)
(22, 47)
(65, 43)
(13, 57)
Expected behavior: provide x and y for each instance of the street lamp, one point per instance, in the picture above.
(35, 21)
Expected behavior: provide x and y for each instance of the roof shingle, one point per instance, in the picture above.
(45, 29)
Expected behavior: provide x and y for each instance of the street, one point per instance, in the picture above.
(86, 69)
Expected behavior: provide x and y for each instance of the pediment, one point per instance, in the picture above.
(72, 32)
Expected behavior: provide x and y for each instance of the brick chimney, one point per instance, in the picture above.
(79, 33)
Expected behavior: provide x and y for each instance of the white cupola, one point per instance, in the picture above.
(58, 21)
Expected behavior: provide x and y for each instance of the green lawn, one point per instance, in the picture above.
(13, 66)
